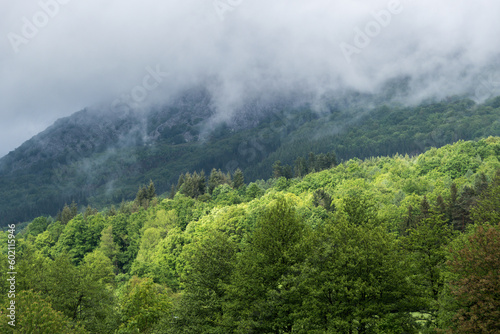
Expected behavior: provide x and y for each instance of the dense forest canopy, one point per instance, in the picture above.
(401, 244)
(98, 160)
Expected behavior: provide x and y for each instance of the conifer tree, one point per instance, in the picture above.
(300, 169)
(151, 190)
(277, 170)
(238, 179)
(215, 179)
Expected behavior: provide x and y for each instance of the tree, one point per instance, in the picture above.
(277, 169)
(424, 208)
(180, 182)
(173, 191)
(427, 244)
(440, 205)
(82, 293)
(216, 179)
(260, 297)
(300, 167)
(209, 264)
(34, 314)
(108, 246)
(80, 237)
(67, 213)
(487, 208)
(322, 198)
(254, 191)
(354, 280)
(89, 211)
(194, 185)
(359, 207)
(145, 194)
(143, 304)
(311, 163)
(151, 190)
(287, 172)
(477, 284)
(238, 179)
(38, 225)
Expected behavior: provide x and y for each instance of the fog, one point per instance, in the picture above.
(59, 56)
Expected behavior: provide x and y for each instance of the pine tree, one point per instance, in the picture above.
(238, 179)
(408, 222)
(287, 172)
(215, 179)
(440, 205)
(424, 208)
(202, 183)
(151, 191)
(67, 213)
(311, 163)
(180, 182)
(453, 205)
(487, 208)
(141, 196)
(277, 170)
(89, 211)
(322, 198)
(300, 167)
(172, 192)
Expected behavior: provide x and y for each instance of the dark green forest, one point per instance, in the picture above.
(34, 182)
(390, 244)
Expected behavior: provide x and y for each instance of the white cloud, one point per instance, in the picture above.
(92, 51)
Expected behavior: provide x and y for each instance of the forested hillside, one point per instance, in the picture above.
(99, 157)
(401, 244)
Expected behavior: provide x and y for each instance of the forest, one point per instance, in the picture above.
(35, 183)
(388, 244)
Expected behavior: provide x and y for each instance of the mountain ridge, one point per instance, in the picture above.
(101, 158)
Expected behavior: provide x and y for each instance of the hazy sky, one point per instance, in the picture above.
(58, 56)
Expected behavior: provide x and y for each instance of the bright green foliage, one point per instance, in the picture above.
(81, 293)
(166, 263)
(142, 304)
(34, 314)
(253, 191)
(259, 299)
(116, 174)
(107, 246)
(38, 225)
(225, 195)
(80, 236)
(358, 248)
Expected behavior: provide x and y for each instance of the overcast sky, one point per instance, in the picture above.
(59, 56)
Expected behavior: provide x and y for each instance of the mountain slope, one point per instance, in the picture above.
(98, 158)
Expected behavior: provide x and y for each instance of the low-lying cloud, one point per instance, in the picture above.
(58, 56)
